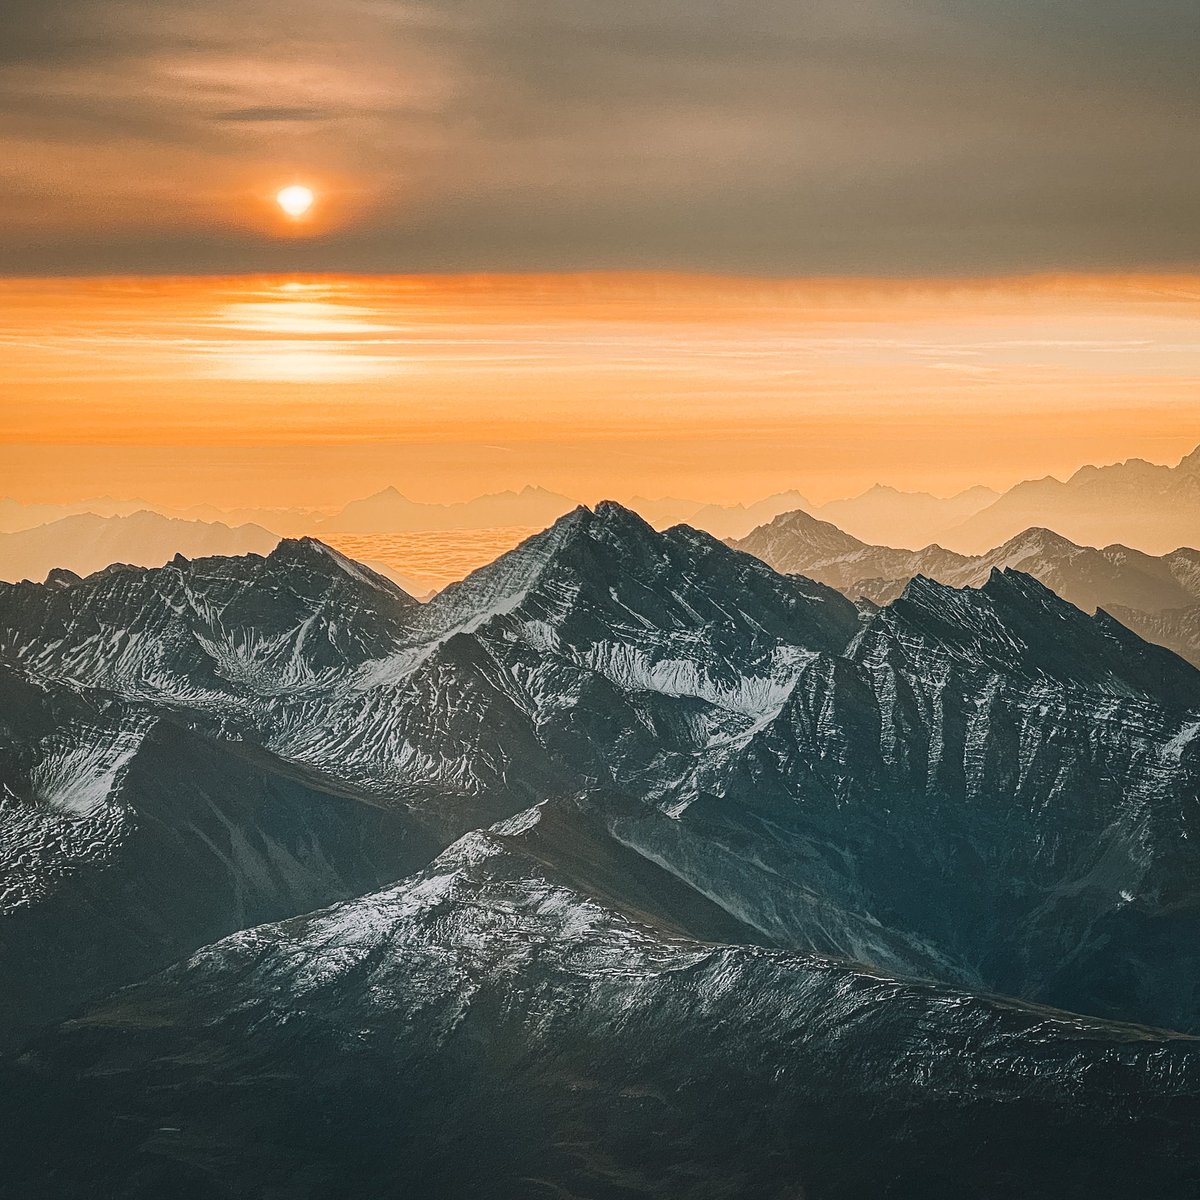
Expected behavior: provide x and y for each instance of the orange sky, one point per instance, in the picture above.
(312, 391)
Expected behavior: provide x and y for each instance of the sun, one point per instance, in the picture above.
(295, 200)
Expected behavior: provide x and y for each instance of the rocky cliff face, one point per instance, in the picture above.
(705, 773)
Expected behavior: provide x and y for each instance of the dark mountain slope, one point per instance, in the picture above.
(707, 773)
(127, 840)
(493, 1003)
(209, 630)
(948, 800)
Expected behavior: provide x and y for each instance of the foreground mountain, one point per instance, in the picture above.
(85, 543)
(1135, 587)
(133, 831)
(812, 774)
(735, 814)
(306, 658)
(219, 633)
(563, 1008)
(1151, 507)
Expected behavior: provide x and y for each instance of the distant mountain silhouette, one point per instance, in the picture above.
(884, 515)
(1154, 508)
(391, 512)
(721, 520)
(86, 542)
(16, 515)
(1176, 628)
(287, 522)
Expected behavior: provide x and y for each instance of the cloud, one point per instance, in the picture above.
(275, 113)
(733, 135)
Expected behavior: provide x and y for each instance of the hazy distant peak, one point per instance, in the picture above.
(391, 512)
(1131, 468)
(85, 543)
(884, 515)
(800, 528)
(800, 518)
(1147, 506)
(887, 491)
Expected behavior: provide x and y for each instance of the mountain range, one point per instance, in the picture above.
(16, 516)
(721, 520)
(653, 872)
(87, 542)
(886, 514)
(1158, 597)
(1154, 508)
(390, 511)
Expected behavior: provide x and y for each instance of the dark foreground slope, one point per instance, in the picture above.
(532, 1016)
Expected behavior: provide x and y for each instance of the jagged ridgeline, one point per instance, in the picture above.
(653, 872)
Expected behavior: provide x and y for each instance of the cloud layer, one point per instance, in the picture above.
(759, 136)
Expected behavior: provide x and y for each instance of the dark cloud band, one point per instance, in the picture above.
(758, 135)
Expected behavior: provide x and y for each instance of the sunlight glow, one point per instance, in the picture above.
(594, 384)
(295, 200)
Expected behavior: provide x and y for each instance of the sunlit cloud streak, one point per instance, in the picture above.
(630, 381)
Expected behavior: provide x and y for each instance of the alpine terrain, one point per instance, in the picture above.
(627, 867)
(1159, 597)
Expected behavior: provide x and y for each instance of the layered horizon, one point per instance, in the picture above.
(312, 392)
